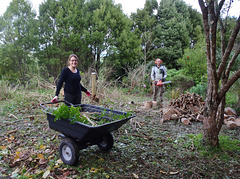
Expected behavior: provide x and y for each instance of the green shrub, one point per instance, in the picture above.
(200, 89)
(182, 82)
(231, 98)
(194, 62)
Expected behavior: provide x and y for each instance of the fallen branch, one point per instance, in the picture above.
(12, 115)
(34, 116)
(10, 132)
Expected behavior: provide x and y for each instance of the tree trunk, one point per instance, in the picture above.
(219, 80)
(210, 132)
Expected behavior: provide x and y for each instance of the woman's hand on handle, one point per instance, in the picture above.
(88, 93)
(55, 99)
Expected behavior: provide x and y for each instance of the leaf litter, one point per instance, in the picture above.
(143, 148)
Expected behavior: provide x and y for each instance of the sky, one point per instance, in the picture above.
(128, 6)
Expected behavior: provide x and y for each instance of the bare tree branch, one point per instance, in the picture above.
(232, 61)
(223, 37)
(213, 37)
(229, 48)
(219, 8)
(228, 85)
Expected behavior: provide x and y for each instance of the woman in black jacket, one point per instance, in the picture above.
(71, 77)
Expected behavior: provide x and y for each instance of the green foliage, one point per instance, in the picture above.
(231, 98)
(18, 30)
(194, 62)
(174, 93)
(62, 112)
(144, 24)
(179, 80)
(172, 31)
(233, 101)
(200, 89)
(75, 115)
(226, 147)
(183, 82)
(96, 30)
(197, 30)
(59, 33)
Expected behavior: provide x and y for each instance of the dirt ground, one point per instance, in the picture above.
(143, 148)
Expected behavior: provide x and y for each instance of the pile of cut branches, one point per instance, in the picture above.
(188, 107)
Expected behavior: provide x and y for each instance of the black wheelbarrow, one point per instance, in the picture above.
(77, 135)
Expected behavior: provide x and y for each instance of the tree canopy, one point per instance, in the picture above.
(97, 31)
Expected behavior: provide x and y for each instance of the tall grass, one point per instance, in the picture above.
(7, 91)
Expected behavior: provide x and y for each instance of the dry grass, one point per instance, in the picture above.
(7, 91)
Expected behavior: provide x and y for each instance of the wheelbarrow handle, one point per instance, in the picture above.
(43, 105)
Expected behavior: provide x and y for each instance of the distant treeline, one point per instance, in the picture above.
(98, 32)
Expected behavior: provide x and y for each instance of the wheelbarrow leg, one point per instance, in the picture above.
(69, 151)
(107, 142)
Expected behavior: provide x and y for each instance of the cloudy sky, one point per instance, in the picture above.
(128, 6)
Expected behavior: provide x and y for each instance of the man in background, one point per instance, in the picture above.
(158, 75)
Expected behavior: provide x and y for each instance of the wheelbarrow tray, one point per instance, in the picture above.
(83, 132)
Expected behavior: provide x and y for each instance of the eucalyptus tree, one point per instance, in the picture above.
(144, 25)
(219, 78)
(18, 30)
(108, 34)
(196, 33)
(172, 31)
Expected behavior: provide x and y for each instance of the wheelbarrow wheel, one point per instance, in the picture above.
(69, 152)
(107, 142)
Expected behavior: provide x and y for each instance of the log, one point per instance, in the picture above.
(237, 121)
(230, 111)
(226, 116)
(230, 124)
(167, 115)
(194, 109)
(185, 121)
(174, 117)
(161, 121)
(200, 117)
(230, 118)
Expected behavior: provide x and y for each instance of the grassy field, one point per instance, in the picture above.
(143, 147)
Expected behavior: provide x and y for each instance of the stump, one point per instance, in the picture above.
(154, 104)
(147, 105)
